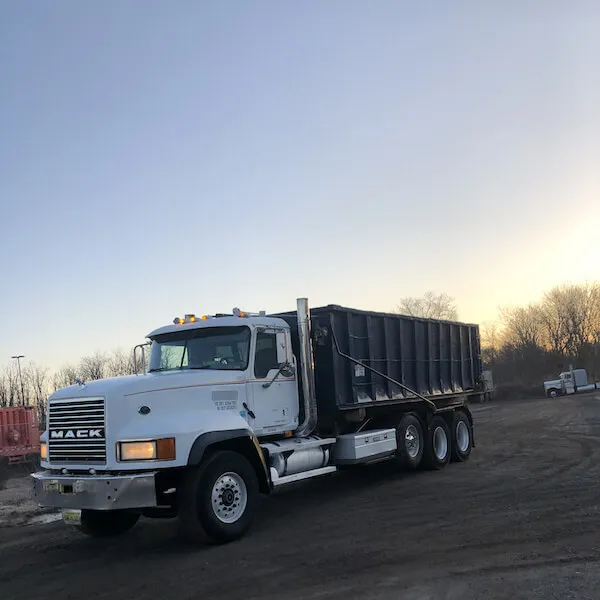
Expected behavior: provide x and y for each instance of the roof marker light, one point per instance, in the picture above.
(240, 313)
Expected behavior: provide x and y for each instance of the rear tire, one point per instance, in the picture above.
(462, 437)
(437, 445)
(410, 441)
(218, 501)
(107, 523)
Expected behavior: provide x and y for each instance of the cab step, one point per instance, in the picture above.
(279, 481)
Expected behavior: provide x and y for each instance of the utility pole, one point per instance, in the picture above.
(18, 358)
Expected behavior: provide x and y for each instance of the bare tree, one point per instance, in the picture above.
(38, 385)
(523, 326)
(10, 391)
(430, 306)
(119, 363)
(571, 317)
(491, 342)
(555, 320)
(93, 366)
(4, 394)
(594, 302)
(65, 376)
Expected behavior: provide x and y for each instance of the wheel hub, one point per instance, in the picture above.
(462, 436)
(228, 497)
(411, 441)
(440, 443)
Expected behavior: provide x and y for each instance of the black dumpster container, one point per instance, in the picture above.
(437, 359)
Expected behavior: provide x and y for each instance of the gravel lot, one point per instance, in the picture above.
(518, 521)
(16, 502)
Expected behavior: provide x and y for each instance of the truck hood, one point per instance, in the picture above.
(151, 382)
(553, 382)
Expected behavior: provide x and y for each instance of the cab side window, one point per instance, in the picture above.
(266, 354)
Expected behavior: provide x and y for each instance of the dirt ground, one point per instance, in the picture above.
(16, 503)
(519, 521)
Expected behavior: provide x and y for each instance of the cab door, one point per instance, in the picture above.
(273, 391)
(568, 383)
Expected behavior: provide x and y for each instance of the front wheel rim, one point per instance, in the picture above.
(462, 436)
(440, 443)
(229, 497)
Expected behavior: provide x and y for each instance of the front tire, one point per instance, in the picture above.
(437, 445)
(218, 501)
(107, 523)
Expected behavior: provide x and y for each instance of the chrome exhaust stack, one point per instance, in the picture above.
(307, 370)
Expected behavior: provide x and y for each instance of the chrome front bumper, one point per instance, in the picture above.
(97, 492)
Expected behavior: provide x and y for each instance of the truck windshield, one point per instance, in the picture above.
(222, 348)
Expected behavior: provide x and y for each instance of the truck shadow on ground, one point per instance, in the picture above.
(314, 495)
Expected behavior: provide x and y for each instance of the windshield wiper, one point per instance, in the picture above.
(183, 355)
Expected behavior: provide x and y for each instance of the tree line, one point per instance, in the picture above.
(39, 382)
(531, 343)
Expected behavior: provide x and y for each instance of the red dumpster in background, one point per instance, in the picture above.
(19, 434)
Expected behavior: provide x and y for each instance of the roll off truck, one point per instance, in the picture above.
(237, 405)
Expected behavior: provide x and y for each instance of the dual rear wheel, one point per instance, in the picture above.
(435, 448)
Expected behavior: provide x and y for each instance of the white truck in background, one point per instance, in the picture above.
(569, 382)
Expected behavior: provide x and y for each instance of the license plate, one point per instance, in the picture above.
(65, 489)
(71, 517)
(51, 486)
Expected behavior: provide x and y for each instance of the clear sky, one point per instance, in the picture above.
(158, 158)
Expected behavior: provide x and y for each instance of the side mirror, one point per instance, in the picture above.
(287, 370)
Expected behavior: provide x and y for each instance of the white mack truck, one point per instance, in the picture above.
(235, 406)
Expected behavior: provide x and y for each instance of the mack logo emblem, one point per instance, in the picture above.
(77, 434)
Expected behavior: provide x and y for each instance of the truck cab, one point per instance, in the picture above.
(237, 366)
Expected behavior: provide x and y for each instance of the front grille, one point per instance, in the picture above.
(76, 431)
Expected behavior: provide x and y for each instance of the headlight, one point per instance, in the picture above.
(163, 449)
(43, 451)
